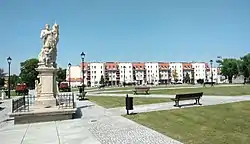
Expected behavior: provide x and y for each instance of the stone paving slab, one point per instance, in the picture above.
(76, 132)
(41, 133)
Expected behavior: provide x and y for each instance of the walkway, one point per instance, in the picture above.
(97, 125)
(109, 90)
(206, 100)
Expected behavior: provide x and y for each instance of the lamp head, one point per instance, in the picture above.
(9, 60)
(82, 54)
(69, 64)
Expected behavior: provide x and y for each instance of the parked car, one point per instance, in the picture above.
(64, 87)
(22, 89)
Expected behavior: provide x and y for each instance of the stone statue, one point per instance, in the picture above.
(37, 88)
(50, 38)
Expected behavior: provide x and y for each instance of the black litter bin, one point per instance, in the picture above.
(6, 93)
(129, 103)
(80, 90)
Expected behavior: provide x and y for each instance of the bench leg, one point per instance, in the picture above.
(197, 101)
(177, 103)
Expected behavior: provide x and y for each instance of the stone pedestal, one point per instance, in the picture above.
(48, 92)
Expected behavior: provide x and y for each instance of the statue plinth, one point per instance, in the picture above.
(48, 87)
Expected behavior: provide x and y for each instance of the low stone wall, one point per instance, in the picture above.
(43, 116)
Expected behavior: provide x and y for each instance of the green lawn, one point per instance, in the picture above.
(225, 123)
(111, 102)
(226, 90)
(12, 93)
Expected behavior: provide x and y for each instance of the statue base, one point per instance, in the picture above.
(48, 86)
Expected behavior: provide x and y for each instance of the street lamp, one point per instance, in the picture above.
(9, 62)
(124, 76)
(211, 63)
(69, 65)
(83, 56)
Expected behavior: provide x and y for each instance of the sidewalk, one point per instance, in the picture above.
(205, 101)
(96, 125)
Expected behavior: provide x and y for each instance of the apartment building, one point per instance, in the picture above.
(139, 73)
(164, 73)
(176, 71)
(96, 70)
(216, 77)
(188, 73)
(200, 69)
(126, 72)
(74, 75)
(115, 73)
(152, 72)
(112, 73)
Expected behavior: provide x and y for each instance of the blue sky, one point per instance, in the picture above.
(126, 30)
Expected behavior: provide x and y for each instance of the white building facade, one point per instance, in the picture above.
(115, 73)
(126, 72)
(74, 75)
(200, 69)
(96, 72)
(152, 72)
(176, 71)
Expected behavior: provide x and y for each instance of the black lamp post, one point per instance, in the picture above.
(9, 62)
(69, 65)
(211, 63)
(124, 76)
(83, 56)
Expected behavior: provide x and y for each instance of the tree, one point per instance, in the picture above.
(61, 75)
(14, 79)
(175, 75)
(28, 73)
(2, 74)
(245, 66)
(229, 68)
(187, 78)
(102, 81)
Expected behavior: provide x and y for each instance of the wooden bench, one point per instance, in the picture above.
(188, 96)
(101, 87)
(208, 83)
(141, 90)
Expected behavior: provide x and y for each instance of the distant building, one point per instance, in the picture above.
(152, 72)
(115, 73)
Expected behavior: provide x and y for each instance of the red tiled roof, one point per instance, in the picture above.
(138, 66)
(187, 66)
(111, 65)
(163, 66)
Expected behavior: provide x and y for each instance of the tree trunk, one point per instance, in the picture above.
(230, 79)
